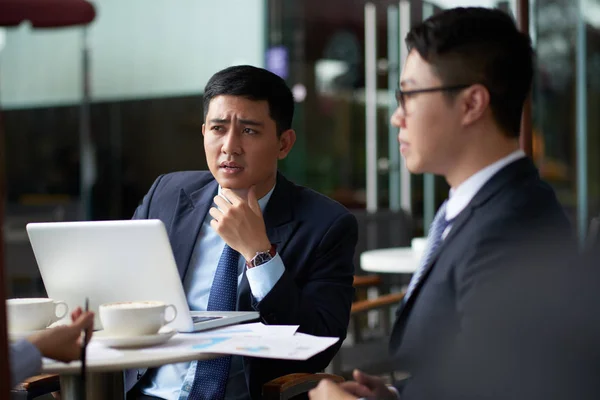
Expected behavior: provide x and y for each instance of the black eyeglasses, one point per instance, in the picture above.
(401, 94)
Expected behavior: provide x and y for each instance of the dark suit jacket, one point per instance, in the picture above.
(511, 222)
(536, 338)
(316, 239)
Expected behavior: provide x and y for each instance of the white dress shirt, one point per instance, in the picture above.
(167, 381)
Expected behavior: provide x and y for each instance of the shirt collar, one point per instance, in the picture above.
(461, 196)
(263, 201)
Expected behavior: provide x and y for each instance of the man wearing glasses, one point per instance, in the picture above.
(461, 95)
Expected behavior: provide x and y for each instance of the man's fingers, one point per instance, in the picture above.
(76, 313)
(84, 321)
(222, 203)
(231, 196)
(358, 375)
(356, 389)
(215, 213)
(366, 380)
(320, 392)
(253, 201)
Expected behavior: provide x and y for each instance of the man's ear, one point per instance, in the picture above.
(203, 129)
(475, 100)
(286, 142)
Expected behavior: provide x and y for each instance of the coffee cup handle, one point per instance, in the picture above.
(66, 310)
(168, 321)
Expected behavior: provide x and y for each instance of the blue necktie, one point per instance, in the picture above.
(434, 240)
(211, 376)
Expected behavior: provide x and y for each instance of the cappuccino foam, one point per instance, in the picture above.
(134, 304)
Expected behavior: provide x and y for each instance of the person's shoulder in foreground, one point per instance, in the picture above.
(62, 343)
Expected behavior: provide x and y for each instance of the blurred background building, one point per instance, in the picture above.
(91, 116)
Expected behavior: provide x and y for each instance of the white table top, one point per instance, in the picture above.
(131, 358)
(397, 260)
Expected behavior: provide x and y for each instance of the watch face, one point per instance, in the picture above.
(261, 258)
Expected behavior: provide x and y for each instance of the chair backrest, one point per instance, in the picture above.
(382, 229)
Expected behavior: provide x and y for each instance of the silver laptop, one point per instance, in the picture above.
(110, 261)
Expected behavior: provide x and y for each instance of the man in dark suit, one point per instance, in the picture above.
(245, 238)
(466, 78)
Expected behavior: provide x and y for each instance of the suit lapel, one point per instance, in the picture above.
(189, 214)
(278, 214)
(279, 223)
(506, 175)
(457, 225)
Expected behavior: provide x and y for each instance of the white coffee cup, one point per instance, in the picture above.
(418, 245)
(135, 318)
(32, 314)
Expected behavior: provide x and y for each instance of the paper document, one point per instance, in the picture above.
(253, 329)
(296, 347)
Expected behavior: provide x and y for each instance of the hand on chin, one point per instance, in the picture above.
(239, 221)
(242, 192)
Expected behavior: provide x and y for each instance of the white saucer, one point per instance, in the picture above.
(133, 342)
(15, 336)
(18, 335)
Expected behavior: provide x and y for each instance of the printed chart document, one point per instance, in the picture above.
(296, 347)
(254, 339)
(252, 329)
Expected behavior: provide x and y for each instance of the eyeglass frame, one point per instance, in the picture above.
(400, 94)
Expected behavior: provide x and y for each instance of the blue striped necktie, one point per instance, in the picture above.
(434, 240)
(211, 376)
